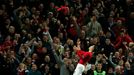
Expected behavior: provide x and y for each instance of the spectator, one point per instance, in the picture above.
(94, 27)
(108, 47)
(64, 63)
(34, 70)
(127, 70)
(99, 70)
(28, 63)
(110, 71)
(21, 69)
(124, 38)
(91, 71)
(117, 70)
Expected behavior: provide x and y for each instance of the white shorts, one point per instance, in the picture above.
(79, 69)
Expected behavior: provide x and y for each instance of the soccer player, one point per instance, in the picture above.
(84, 58)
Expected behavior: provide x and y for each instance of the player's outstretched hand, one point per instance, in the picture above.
(91, 48)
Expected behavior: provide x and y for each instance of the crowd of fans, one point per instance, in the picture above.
(37, 36)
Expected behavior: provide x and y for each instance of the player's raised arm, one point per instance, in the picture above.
(91, 48)
(76, 48)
